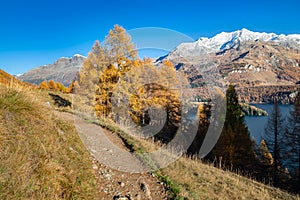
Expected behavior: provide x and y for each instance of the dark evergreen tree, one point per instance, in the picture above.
(292, 143)
(235, 147)
(274, 132)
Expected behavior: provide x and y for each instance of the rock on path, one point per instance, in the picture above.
(118, 171)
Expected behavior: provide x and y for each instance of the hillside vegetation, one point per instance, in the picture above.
(124, 88)
(7, 79)
(41, 156)
(190, 178)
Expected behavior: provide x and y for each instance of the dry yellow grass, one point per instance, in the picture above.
(202, 181)
(193, 179)
(41, 156)
(8, 79)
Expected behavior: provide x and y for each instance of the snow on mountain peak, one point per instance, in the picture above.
(227, 40)
(74, 56)
(240, 35)
(17, 75)
(78, 55)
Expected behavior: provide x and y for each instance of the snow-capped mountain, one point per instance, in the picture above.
(224, 41)
(62, 70)
(252, 61)
(17, 75)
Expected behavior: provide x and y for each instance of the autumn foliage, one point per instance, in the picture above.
(115, 83)
(7, 79)
(56, 86)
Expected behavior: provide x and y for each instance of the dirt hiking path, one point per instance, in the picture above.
(120, 174)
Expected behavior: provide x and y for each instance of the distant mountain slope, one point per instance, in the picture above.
(244, 58)
(63, 70)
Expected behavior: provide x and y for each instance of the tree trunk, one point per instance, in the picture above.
(276, 150)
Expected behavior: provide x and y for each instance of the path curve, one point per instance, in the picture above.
(126, 181)
(102, 148)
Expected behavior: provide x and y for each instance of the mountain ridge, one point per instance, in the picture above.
(227, 40)
(243, 58)
(63, 70)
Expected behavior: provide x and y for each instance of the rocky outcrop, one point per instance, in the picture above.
(63, 70)
(250, 110)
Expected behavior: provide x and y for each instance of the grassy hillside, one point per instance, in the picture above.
(41, 156)
(192, 179)
(8, 79)
(198, 180)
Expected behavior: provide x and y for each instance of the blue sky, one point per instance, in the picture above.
(35, 33)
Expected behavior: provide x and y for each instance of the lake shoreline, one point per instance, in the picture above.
(257, 124)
